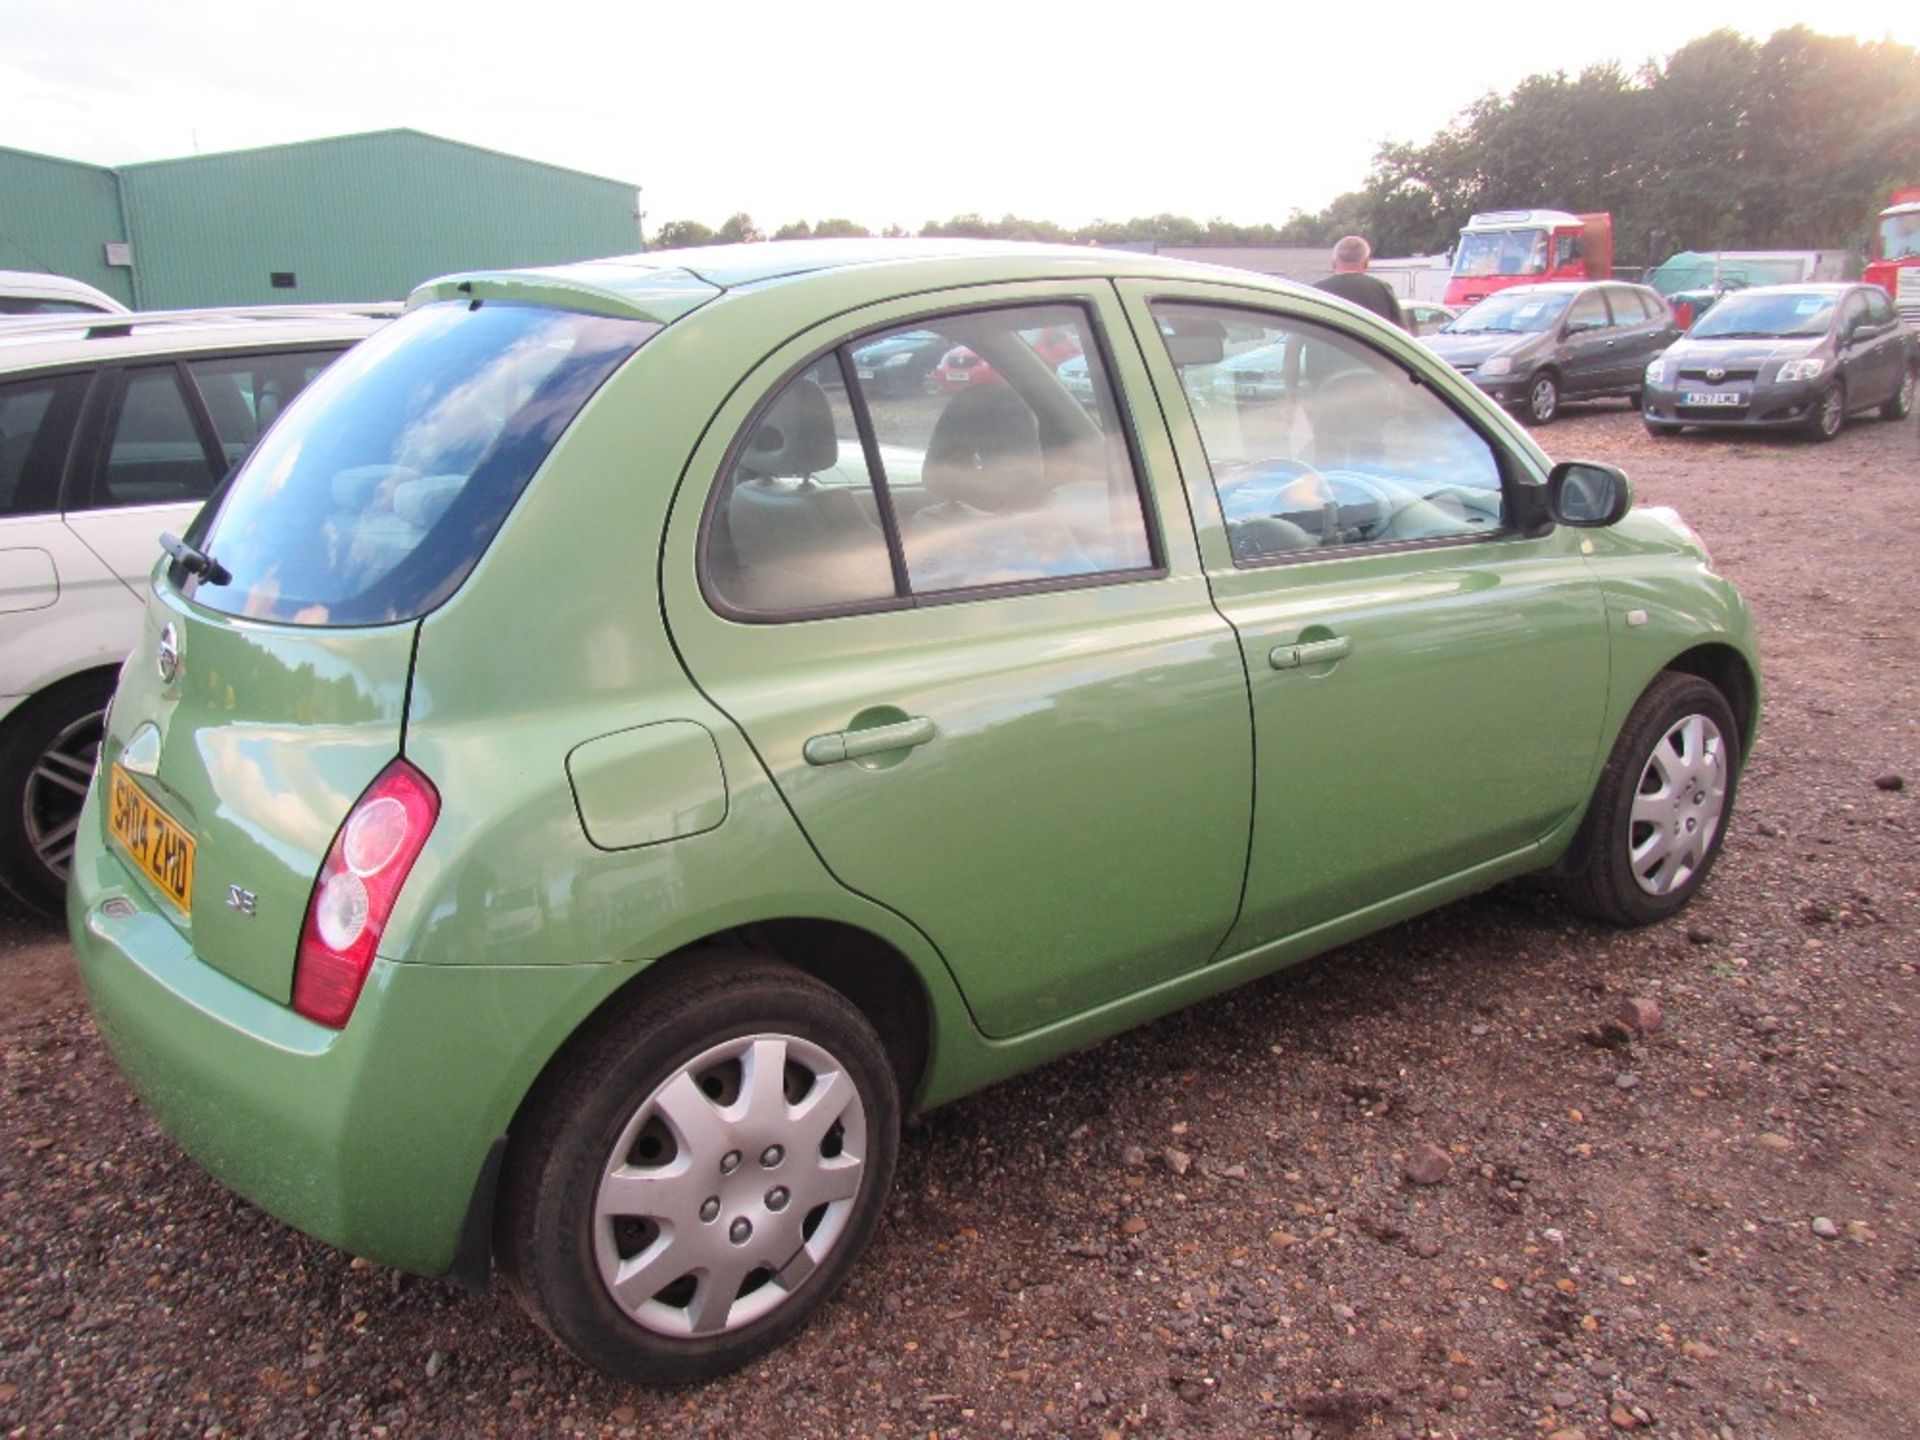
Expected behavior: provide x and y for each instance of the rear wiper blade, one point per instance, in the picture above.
(196, 562)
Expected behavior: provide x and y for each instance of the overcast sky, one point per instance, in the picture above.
(882, 112)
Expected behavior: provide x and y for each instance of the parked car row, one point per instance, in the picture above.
(596, 765)
(1795, 357)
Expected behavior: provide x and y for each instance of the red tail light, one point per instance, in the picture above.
(355, 894)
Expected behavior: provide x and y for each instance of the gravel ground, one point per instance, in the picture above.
(1706, 1227)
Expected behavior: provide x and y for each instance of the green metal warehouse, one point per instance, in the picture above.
(357, 217)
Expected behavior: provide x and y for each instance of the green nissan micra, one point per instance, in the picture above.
(608, 752)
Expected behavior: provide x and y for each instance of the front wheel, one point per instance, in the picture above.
(1659, 429)
(702, 1173)
(1901, 405)
(1660, 810)
(46, 763)
(1543, 398)
(1829, 413)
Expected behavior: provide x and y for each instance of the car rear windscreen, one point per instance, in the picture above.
(384, 482)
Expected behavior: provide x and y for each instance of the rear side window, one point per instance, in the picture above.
(36, 418)
(383, 485)
(154, 455)
(967, 453)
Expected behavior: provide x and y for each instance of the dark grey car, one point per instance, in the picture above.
(1797, 357)
(1533, 346)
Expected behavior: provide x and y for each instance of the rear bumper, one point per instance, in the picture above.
(374, 1138)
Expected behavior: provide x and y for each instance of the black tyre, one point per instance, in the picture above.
(1661, 808)
(1660, 429)
(47, 751)
(1901, 405)
(1543, 399)
(700, 1173)
(1829, 414)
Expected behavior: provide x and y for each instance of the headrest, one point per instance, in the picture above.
(985, 452)
(795, 437)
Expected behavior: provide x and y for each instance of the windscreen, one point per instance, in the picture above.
(383, 483)
(1512, 312)
(1766, 316)
(1501, 252)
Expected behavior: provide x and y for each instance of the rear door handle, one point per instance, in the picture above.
(1313, 652)
(838, 745)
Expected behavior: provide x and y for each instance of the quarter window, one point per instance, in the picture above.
(36, 417)
(1316, 441)
(971, 451)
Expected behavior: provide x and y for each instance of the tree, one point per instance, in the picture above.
(677, 234)
(737, 229)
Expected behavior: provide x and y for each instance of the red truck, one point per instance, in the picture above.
(1500, 248)
(1895, 267)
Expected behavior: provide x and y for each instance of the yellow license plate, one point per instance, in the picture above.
(162, 850)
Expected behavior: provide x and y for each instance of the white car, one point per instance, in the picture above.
(32, 292)
(113, 429)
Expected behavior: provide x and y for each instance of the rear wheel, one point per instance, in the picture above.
(703, 1173)
(1543, 398)
(46, 763)
(1660, 810)
(1829, 413)
(1901, 405)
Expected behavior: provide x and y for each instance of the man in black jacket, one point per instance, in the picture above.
(1350, 280)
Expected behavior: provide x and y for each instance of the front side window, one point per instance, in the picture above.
(1316, 441)
(1588, 312)
(955, 454)
(385, 482)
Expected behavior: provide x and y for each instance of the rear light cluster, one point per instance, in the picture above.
(354, 897)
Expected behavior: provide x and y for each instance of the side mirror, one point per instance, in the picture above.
(1588, 494)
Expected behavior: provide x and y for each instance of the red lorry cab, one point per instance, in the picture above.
(1501, 248)
(1895, 267)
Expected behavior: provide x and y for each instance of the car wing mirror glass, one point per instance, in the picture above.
(1587, 493)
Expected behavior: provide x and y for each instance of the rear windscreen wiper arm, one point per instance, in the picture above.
(196, 562)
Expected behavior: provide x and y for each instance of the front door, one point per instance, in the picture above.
(1427, 684)
(984, 674)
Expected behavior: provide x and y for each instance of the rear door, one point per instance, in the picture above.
(967, 636)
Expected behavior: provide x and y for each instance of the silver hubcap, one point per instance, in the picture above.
(729, 1185)
(1677, 810)
(56, 790)
(1832, 412)
(1906, 393)
(1545, 397)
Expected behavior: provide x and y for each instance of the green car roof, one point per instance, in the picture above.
(664, 285)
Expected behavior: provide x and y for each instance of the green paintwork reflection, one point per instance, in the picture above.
(648, 785)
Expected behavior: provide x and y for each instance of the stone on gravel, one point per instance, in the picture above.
(1625, 1080)
(1890, 781)
(1639, 1014)
(1134, 1156)
(1429, 1165)
(1825, 1228)
(1178, 1161)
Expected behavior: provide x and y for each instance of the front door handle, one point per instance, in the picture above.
(838, 745)
(1313, 652)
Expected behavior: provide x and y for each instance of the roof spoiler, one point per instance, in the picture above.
(105, 325)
